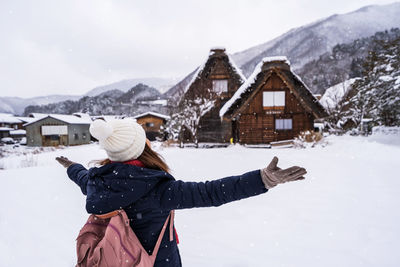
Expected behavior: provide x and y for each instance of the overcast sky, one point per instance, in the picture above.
(69, 47)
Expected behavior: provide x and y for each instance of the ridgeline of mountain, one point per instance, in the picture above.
(16, 105)
(160, 84)
(343, 62)
(140, 92)
(306, 43)
(114, 101)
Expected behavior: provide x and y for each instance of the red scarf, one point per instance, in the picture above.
(138, 163)
(134, 162)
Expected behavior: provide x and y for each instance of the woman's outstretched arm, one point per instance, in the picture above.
(79, 174)
(76, 172)
(185, 195)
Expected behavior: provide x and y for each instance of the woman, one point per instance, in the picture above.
(136, 179)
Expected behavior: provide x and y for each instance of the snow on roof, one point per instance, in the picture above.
(217, 48)
(236, 68)
(201, 67)
(38, 115)
(194, 77)
(153, 114)
(8, 118)
(5, 129)
(70, 119)
(305, 85)
(242, 89)
(276, 58)
(18, 132)
(26, 119)
(82, 115)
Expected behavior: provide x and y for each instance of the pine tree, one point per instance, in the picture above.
(377, 94)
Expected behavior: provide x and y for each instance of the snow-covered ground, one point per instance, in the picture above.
(346, 212)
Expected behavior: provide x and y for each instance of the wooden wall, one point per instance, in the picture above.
(255, 125)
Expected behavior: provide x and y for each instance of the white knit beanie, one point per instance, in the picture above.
(122, 139)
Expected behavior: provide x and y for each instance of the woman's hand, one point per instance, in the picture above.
(273, 175)
(64, 161)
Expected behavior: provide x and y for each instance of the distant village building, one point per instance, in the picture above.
(57, 129)
(273, 105)
(5, 131)
(153, 123)
(11, 126)
(218, 76)
(9, 121)
(17, 135)
(25, 120)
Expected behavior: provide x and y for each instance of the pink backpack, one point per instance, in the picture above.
(108, 240)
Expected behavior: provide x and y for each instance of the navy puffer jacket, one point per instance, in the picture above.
(148, 195)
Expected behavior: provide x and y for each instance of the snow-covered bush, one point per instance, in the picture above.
(187, 115)
(309, 139)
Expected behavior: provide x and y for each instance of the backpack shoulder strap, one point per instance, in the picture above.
(171, 229)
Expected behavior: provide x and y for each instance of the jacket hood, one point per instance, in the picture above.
(117, 185)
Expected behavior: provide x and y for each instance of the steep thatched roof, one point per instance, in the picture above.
(268, 66)
(184, 85)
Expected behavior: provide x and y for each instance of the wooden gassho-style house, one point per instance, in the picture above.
(220, 77)
(273, 105)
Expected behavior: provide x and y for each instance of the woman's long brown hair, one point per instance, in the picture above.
(149, 158)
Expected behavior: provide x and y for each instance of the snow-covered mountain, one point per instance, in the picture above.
(140, 98)
(16, 105)
(308, 42)
(139, 92)
(345, 61)
(160, 84)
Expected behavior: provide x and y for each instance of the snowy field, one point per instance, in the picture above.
(346, 212)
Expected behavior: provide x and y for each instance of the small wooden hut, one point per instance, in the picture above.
(273, 105)
(153, 123)
(218, 78)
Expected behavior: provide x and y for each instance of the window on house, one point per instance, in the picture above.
(283, 124)
(83, 135)
(149, 124)
(76, 136)
(220, 86)
(274, 99)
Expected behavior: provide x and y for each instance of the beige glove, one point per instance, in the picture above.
(64, 161)
(273, 175)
